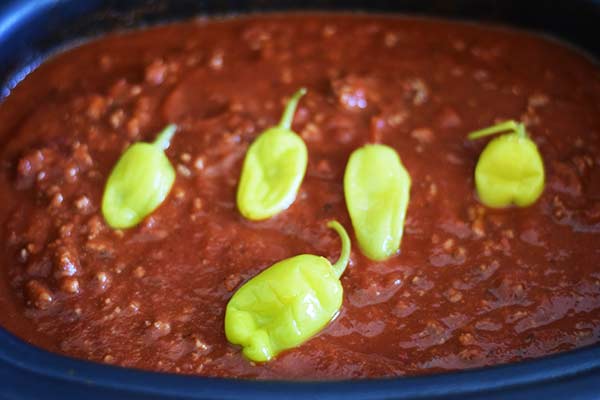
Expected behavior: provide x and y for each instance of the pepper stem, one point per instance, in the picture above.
(290, 109)
(507, 126)
(340, 265)
(163, 140)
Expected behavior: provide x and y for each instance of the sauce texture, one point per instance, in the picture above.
(471, 286)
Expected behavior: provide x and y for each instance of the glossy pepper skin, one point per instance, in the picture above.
(510, 169)
(139, 182)
(377, 192)
(273, 169)
(286, 304)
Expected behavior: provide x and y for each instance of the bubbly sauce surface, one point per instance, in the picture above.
(471, 286)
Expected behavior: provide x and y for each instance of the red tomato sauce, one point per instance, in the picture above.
(470, 286)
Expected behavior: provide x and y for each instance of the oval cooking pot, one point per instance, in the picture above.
(31, 30)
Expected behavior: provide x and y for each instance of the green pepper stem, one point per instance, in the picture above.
(340, 265)
(521, 130)
(163, 140)
(290, 109)
(507, 126)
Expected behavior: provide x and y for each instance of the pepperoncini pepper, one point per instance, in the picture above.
(287, 303)
(273, 169)
(377, 191)
(510, 169)
(139, 182)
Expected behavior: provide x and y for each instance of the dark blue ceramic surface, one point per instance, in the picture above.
(32, 29)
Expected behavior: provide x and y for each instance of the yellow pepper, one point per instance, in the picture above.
(377, 191)
(273, 169)
(139, 182)
(510, 169)
(287, 303)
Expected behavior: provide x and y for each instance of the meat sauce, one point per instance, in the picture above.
(471, 286)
